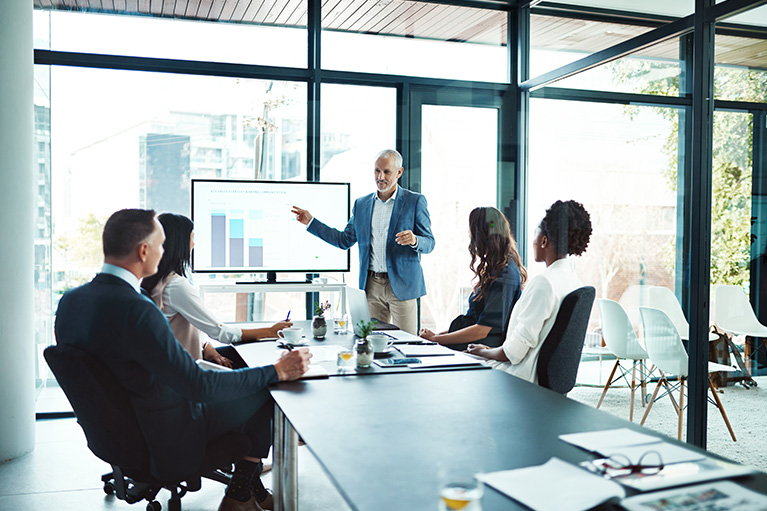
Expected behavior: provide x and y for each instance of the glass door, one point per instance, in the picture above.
(454, 155)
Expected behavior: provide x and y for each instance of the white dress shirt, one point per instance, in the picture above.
(181, 297)
(122, 273)
(379, 230)
(533, 318)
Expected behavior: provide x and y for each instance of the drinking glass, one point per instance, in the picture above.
(465, 496)
(345, 360)
(340, 323)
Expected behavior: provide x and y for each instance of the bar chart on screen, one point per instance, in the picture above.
(246, 226)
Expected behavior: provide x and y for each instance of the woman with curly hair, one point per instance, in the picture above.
(499, 275)
(564, 230)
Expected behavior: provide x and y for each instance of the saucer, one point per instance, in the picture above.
(388, 352)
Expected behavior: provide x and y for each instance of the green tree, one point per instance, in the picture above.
(81, 250)
(732, 156)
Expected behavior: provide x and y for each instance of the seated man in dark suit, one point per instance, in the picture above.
(179, 406)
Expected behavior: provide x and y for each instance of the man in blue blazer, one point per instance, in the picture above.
(179, 406)
(392, 227)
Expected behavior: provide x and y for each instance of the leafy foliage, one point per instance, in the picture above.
(732, 157)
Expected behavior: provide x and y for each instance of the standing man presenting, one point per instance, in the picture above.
(392, 227)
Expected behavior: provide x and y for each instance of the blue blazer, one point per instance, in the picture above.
(402, 262)
(126, 331)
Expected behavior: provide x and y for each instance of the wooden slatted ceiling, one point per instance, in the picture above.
(390, 17)
(420, 20)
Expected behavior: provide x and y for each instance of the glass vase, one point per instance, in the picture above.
(364, 349)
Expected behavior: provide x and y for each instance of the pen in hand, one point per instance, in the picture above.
(288, 317)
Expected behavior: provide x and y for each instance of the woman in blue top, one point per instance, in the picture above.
(500, 276)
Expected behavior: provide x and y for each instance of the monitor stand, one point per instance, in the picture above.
(271, 278)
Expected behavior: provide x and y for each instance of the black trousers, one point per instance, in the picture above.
(251, 415)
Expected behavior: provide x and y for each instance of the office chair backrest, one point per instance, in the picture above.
(663, 343)
(618, 332)
(102, 407)
(561, 351)
(662, 298)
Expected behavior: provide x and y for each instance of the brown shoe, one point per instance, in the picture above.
(229, 504)
(268, 503)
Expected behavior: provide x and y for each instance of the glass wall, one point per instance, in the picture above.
(190, 39)
(357, 123)
(458, 173)
(135, 139)
(416, 39)
(620, 162)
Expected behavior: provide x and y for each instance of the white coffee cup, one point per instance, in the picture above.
(380, 342)
(292, 334)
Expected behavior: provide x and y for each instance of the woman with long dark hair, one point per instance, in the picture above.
(499, 277)
(565, 230)
(172, 291)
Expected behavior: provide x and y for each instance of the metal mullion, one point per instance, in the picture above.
(91, 60)
(521, 40)
(739, 106)
(674, 29)
(700, 221)
(313, 110)
(730, 8)
(354, 78)
(621, 98)
(759, 211)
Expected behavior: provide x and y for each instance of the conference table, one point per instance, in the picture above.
(390, 441)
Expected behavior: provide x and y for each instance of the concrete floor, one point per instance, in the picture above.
(61, 474)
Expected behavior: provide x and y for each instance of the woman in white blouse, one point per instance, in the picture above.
(564, 230)
(181, 302)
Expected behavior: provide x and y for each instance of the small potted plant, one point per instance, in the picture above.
(363, 347)
(319, 324)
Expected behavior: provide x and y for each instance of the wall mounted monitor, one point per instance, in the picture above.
(247, 226)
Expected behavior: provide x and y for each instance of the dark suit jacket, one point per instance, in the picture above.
(126, 331)
(402, 264)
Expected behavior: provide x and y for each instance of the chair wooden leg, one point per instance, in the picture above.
(652, 400)
(671, 396)
(609, 380)
(681, 407)
(633, 389)
(721, 410)
(643, 371)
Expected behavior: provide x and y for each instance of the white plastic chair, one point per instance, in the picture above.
(735, 315)
(664, 299)
(633, 297)
(666, 351)
(621, 339)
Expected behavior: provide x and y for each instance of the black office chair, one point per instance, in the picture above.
(104, 411)
(561, 350)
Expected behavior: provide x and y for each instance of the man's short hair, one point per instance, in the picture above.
(391, 153)
(125, 229)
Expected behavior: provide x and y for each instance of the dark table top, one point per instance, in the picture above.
(389, 442)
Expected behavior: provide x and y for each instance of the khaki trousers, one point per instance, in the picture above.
(384, 306)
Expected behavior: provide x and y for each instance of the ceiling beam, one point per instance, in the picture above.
(668, 31)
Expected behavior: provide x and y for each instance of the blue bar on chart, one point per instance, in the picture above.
(236, 240)
(255, 252)
(218, 238)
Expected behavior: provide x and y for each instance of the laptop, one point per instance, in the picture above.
(358, 310)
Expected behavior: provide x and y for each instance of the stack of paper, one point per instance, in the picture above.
(576, 489)
(680, 465)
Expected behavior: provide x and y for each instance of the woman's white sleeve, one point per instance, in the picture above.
(182, 297)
